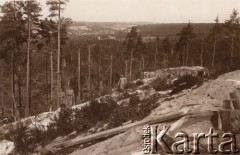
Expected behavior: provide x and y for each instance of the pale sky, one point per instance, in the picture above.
(160, 11)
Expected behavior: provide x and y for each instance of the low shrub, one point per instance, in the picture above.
(25, 140)
(147, 105)
(135, 110)
(160, 84)
(119, 116)
(124, 113)
(105, 111)
(62, 124)
(134, 101)
(95, 112)
(125, 95)
(130, 85)
(139, 82)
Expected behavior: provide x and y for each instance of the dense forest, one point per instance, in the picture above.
(41, 61)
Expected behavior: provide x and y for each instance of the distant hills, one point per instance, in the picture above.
(147, 29)
(173, 29)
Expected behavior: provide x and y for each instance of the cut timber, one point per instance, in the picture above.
(226, 104)
(214, 119)
(235, 99)
(111, 132)
(225, 120)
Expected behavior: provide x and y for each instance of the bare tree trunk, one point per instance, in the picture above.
(100, 75)
(155, 58)
(187, 54)
(202, 52)
(59, 55)
(111, 71)
(79, 75)
(28, 94)
(20, 92)
(232, 47)
(183, 58)
(140, 63)
(2, 94)
(167, 63)
(46, 80)
(13, 86)
(131, 65)
(89, 68)
(164, 61)
(51, 79)
(126, 68)
(214, 52)
(14, 106)
(143, 63)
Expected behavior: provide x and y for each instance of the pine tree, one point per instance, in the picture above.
(233, 27)
(140, 52)
(31, 11)
(157, 43)
(186, 35)
(12, 36)
(48, 31)
(56, 7)
(166, 48)
(130, 45)
(214, 34)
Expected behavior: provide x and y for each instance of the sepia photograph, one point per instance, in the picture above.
(119, 77)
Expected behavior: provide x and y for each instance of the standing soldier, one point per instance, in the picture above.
(122, 82)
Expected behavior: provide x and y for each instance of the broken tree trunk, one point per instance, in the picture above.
(111, 132)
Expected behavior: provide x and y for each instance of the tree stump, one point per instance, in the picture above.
(226, 104)
(225, 120)
(214, 119)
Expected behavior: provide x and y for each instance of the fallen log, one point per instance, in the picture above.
(80, 140)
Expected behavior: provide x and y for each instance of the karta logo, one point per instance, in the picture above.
(154, 141)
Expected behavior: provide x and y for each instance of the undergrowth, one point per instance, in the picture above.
(105, 111)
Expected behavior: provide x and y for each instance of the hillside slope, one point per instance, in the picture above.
(207, 97)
